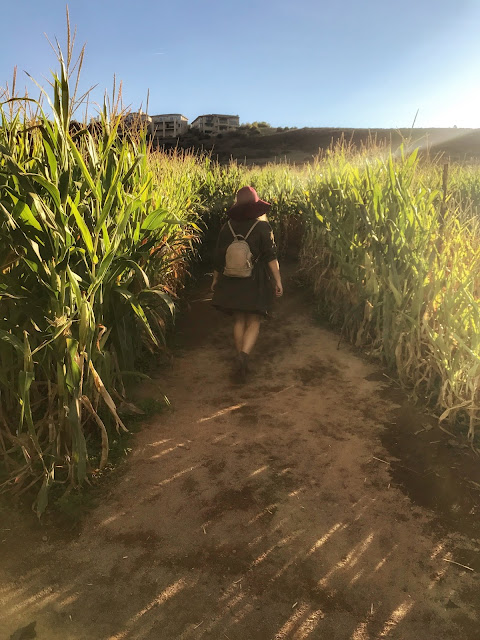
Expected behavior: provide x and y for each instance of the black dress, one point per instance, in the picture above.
(248, 295)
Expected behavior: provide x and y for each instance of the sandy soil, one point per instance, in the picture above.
(300, 505)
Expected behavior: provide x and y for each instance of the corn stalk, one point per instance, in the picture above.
(91, 254)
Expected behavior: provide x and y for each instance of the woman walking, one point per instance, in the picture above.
(245, 285)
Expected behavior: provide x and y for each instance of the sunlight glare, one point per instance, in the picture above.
(321, 541)
(220, 437)
(462, 111)
(165, 451)
(41, 597)
(158, 442)
(350, 559)
(262, 536)
(290, 623)
(309, 625)
(396, 617)
(437, 550)
(356, 577)
(263, 513)
(176, 475)
(277, 545)
(222, 412)
(260, 470)
(165, 595)
(360, 632)
(68, 600)
(384, 559)
(111, 519)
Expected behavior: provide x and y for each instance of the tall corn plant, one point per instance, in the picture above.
(399, 276)
(281, 185)
(86, 252)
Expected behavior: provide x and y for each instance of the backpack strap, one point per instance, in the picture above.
(237, 235)
(233, 232)
(252, 228)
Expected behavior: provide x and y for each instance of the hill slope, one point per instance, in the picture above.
(300, 145)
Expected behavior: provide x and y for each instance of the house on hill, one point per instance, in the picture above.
(169, 125)
(137, 118)
(216, 123)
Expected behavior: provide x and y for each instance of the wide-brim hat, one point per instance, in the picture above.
(248, 205)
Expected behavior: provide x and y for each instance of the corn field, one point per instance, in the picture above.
(394, 257)
(97, 232)
(92, 253)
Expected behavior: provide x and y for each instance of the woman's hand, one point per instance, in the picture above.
(275, 270)
(214, 282)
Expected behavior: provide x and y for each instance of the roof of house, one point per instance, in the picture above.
(166, 115)
(217, 115)
(134, 115)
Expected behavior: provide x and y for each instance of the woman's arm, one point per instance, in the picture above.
(214, 281)
(275, 269)
(269, 250)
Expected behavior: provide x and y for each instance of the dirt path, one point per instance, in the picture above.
(288, 508)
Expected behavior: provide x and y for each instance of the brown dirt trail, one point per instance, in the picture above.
(288, 508)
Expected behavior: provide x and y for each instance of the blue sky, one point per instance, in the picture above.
(345, 63)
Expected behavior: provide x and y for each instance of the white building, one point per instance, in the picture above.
(216, 123)
(137, 119)
(169, 125)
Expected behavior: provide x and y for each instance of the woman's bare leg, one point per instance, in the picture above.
(252, 328)
(239, 326)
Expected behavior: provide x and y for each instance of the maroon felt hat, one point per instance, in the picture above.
(248, 205)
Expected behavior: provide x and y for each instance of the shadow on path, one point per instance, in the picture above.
(287, 508)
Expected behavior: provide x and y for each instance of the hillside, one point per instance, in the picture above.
(300, 145)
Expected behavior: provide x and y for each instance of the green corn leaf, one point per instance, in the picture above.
(83, 167)
(41, 501)
(22, 210)
(56, 335)
(112, 191)
(101, 273)
(11, 339)
(73, 376)
(164, 297)
(86, 327)
(154, 219)
(138, 309)
(52, 161)
(48, 186)
(64, 184)
(74, 279)
(86, 235)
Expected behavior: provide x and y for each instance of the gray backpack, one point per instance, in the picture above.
(238, 258)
